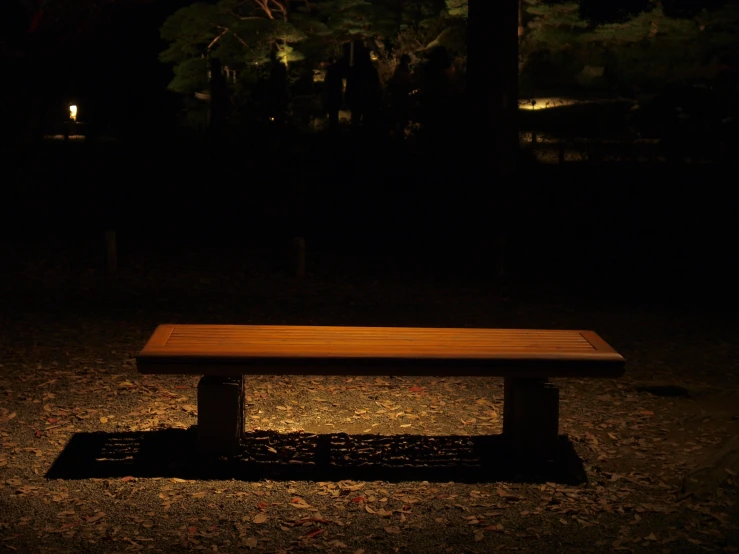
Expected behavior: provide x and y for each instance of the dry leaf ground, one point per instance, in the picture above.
(67, 374)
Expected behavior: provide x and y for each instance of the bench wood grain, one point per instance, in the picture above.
(307, 350)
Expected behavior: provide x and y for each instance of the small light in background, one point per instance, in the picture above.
(546, 103)
(73, 112)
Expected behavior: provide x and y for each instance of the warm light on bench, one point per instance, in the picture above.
(525, 358)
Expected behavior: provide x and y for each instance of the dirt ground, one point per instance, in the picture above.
(97, 458)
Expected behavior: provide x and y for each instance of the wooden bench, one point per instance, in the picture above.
(224, 354)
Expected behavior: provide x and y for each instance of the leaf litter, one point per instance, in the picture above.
(636, 448)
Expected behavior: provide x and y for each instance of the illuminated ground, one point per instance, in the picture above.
(68, 386)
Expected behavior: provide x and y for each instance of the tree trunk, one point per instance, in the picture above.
(218, 97)
(521, 29)
(493, 76)
(492, 81)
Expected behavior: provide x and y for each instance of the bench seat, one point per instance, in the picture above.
(305, 350)
(526, 358)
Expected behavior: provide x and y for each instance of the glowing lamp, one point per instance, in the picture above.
(73, 112)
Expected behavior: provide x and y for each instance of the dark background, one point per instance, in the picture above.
(648, 228)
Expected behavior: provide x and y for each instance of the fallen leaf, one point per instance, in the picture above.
(350, 487)
(103, 419)
(126, 479)
(315, 533)
(260, 518)
(479, 536)
(508, 496)
(250, 542)
(299, 503)
(416, 389)
(96, 517)
(392, 530)
(200, 494)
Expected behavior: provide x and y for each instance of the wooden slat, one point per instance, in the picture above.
(258, 349)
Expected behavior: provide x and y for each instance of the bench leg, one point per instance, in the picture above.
(220, 414)
(531, 418)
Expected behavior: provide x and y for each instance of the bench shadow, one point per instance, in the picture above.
(302, 456)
